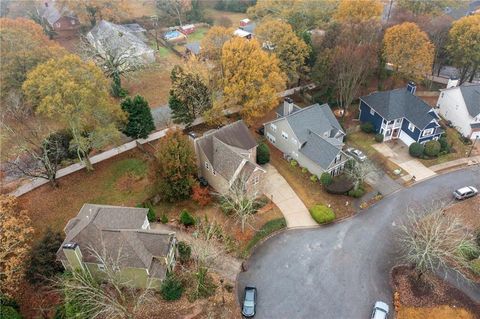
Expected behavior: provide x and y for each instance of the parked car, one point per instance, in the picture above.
(465, 192)
(380, 310)
(357, 154)
(249, 302)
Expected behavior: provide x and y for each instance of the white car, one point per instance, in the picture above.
(380, 310)
(465, 192)
(357, 154)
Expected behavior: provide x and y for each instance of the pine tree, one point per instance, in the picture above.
(140, 120)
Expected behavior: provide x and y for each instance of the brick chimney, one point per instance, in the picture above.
(411, 87)
(287, 106)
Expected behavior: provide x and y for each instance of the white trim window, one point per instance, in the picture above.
(273, 127)
(256, 180)
(428, 132)
(411, 127)
(372, 111)
(284, 135)
(271, 138)
(207, 166)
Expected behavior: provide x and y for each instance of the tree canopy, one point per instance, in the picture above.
(252, 78)
(16, 233)
(23, 46)
(356, 11)
(213, 42)
(279, 38)
(409, 49)
(140, 120)
(92, 11)
(75, 94)
(433, 7)
(464, 45)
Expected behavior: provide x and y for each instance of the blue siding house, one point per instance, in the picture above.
(399, 114)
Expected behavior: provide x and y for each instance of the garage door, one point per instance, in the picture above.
(405, 138)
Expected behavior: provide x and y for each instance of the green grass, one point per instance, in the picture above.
(267, 229)
(461, 150)
(164, 52)
(197, 35)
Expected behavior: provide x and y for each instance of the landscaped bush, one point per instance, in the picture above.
(184, 252)
(432, 148)
(367, 127)
(416, 149)
(379, 138)
(340, 185)
(444, 146)
(304, 170)
(475, 266)
(171, 288)
(267, 229)
(201, 195)
(164, 219)
(263, 154)
(186, 219)
(322, 214)
(326, 179)
(470, 251)
(314, 178)
(8, 312)
(356, 193)
(293, 163)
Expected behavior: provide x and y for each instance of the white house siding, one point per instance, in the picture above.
(452, 107)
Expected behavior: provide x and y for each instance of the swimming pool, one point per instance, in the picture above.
(172, 35)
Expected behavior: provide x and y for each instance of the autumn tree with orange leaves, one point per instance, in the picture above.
(23, 46)
(15, 235)
(409, 50)
(356, 11)
(92, 11)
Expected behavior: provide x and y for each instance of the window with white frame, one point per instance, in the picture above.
(411, 127)
(101, 267)
(207, 166)
(372, 111)
(256, 180)
(284, 135)
(428, 132)
(273, 127)
(271, 138)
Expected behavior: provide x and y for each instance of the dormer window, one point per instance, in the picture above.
(372, 111)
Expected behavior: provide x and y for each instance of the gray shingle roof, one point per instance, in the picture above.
(320, 150)
(471, 96)
(250, 27)
(475, 125)
(225, 160)
(194, 47)
(400, 103)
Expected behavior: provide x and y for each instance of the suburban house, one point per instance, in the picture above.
(400, 114)
(227, 155)
(312, 136)
(461, 106)
(192, 48)
(59, 20)
(120, 238)
(111, 39)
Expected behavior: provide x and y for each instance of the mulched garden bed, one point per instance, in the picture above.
(436, 293)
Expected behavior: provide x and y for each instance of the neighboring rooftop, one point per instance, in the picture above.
(193, 47)
(401, 103)
(471, 96)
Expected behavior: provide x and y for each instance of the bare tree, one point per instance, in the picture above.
(358, 171)
(239, 201)
(432, 240)
(108, 297)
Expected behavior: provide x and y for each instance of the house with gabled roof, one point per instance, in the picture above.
(400, 114)
(312, 136)
(59, 19)
(461, 106)
(102, 236)
(227, 155)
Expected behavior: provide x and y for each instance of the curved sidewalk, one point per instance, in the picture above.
(279, 191)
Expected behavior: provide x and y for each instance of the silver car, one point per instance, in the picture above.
(357, 154)
(380, 310)
(465, 192)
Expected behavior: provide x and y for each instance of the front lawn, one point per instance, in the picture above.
(311, 193)
(363, 142)
(197, 35)
(459, 150)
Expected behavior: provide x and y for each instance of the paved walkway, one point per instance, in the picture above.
(293, 209)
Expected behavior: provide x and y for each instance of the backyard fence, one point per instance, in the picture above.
(37, 182)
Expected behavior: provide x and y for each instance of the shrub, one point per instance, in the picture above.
(42, 262)
(475, 266)
(379, 138)
(469, 251)
(340, 185)
(322, 214)
(8, 312)
(164, 219)
(263, 154)
(367, 127)
(326, 179)
(201, 195)
(171, 288)
(356, 193)
(140, 121)
(314, 178)
(186, 219)
(304, 170)
(444, 146)
(293, 163)
(151, 215)
(416, 149)
(184, 252)
(432, 148)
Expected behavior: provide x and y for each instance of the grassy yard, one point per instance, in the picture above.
(310, 193)
(364, 141)
(197, 35)
(216, 15)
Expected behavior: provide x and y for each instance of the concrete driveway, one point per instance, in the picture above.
(295, 212)
(340, 270)
(397, 152)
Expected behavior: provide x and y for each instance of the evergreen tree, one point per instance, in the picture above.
(140, 120)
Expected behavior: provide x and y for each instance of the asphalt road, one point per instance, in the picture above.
(340, 270)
